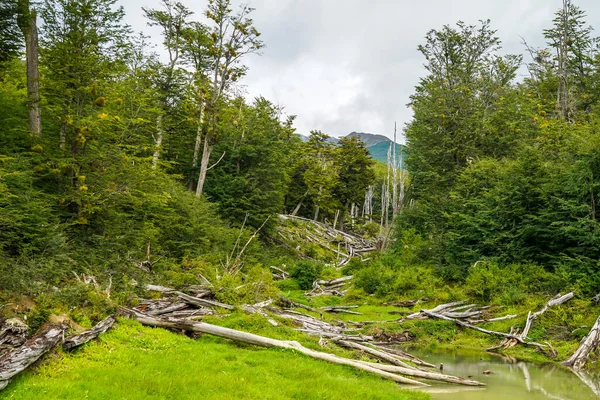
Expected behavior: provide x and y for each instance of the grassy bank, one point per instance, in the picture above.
(135, 362)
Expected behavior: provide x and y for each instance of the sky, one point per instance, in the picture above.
(351, 65)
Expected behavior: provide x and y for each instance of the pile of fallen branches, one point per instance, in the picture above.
(449, 312)
(343, 245)
(332, 287)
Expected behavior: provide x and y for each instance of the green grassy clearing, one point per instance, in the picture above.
(136, 362)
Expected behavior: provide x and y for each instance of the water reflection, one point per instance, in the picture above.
(509, 378)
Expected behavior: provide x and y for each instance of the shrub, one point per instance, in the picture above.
(305, 273)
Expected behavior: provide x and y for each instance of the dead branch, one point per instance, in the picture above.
(86, 336)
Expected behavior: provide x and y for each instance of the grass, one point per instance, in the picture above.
(136, 362)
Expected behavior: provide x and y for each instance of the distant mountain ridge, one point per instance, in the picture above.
(378, 145)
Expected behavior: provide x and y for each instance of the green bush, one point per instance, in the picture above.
(305, 273)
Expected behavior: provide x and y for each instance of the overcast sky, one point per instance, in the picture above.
(351, 65)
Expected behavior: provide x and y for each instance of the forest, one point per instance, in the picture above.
(140, 182)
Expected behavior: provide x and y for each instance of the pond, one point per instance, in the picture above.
(507, 378)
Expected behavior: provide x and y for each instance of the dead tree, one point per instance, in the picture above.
(589, 343)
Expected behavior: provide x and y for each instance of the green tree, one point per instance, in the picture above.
(354, 167)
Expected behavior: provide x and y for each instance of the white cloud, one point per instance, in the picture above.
(345, 65)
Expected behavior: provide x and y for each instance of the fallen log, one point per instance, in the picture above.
(287, 302)
(436, 310)
(198, 302)
(417, 373)
(177, 306)
(21, 358)
(333, 282)
(589, 343)
(264, 342)
(86, 336)
(161, 289)
(404, 356)
(341, 309)
(381, 355)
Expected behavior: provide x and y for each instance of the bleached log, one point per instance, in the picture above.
(436, 310)
(86, 336)
(265, 342)
(417, 373)
(481, 321)
(335, 281)
(158, 288)
(21, 358)
(381, 355)
(405, 356)
(287, 302)
(178, 306)
(198, 302)
(589, 343)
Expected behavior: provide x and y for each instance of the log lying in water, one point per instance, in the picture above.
(21, 358)
(589, 343)
(86, 336)
(417, 373)
(264, 342)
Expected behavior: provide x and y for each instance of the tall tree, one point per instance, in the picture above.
(173, 22)
(233, 36)
(354, 166)
(27, 21)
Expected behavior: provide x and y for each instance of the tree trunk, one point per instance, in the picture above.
(204, 164)
(197, 145)
(28, 25)
(29, 353)
(578, 360)
(158, 139)
(300, 203)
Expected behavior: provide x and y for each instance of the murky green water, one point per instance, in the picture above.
(509, 379)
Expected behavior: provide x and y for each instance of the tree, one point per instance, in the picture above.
(84, 43)
(467, 83)
(10, 38)
(574, 59)
(354, 167)
(233, 36)
(173, 23)
(27, 21)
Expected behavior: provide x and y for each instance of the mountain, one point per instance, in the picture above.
(379, 151)
(378, 145)
(370, 139)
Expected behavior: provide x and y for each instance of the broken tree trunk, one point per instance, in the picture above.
(264, 342)
(589, 343)
(86, 336)
(30, 352)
